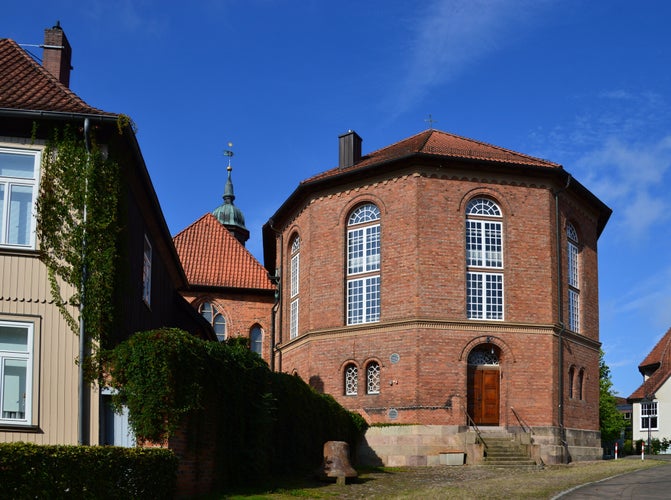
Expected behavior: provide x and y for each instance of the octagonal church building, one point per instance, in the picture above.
(448, 285)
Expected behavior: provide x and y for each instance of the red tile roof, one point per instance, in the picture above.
(438, 143)
(26, 85)
(659, 362)
(211, 256)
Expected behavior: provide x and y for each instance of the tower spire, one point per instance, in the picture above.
(227, 213)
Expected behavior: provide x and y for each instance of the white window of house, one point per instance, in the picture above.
(146, 272)
(649, 415)
(573, 279)
(19, 171)
(373, 378)
(294, 286)
(484, 260)
(256, 340)
(351, 380)
(16, 349)
(363, 265)
(213, 316)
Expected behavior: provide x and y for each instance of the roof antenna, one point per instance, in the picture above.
(430, 121)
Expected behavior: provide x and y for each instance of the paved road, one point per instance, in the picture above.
(653, 483)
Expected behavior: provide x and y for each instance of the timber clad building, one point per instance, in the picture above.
(442, 281)
(39, 395)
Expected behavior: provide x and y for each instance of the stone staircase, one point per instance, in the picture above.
(503, 450)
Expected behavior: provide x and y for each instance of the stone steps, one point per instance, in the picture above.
(504, 451)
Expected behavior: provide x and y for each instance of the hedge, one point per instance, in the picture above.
(105, 472)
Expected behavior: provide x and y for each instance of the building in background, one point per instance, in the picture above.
(442, 282)
(38, 374)
(651, 402)
(226, 284)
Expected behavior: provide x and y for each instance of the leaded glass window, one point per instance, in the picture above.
(294, 286)
(480, 357)
(573, 278)
(373, 378)
(213, 316)
(484, 260)
(363, 258)
(351, 380)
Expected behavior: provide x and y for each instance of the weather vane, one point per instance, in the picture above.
(229, 153)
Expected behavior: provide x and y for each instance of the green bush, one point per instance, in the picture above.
(106, 472)
(266, 422)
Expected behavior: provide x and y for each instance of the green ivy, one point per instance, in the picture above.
(80, 251)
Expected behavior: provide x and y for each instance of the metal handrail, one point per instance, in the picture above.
(470, 421)
(524, 425)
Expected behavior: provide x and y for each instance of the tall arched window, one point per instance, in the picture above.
(373, 378)
(256, 340)
(363, 265)
(579, 387)
(210, 312)
(484, 260)
(351, 380)
(573, 278)
(294, 286)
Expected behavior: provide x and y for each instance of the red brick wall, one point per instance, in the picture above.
(423, 283)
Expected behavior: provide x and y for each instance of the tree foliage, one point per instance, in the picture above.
(611, 421)
(77, 227)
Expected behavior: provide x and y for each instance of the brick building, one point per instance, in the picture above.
(226, 284)
(442, 279)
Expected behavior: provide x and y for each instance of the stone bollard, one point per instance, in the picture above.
(336, 462)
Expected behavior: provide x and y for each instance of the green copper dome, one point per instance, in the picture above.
(229, 215)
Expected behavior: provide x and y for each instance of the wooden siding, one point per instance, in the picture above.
(25, 296)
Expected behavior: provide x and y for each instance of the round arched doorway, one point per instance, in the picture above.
(484, 385)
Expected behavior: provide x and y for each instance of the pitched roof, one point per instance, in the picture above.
(26, 85)
(438, 143)
(211, 256)
(659, 362)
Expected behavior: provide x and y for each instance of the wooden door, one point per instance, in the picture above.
(483, 395)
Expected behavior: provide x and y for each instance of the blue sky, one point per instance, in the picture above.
(582, 83)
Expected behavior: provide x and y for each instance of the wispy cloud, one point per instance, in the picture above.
(450, 35)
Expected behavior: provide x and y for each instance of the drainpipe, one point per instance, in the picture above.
(84, 403)
(276, 307)
(560, 309)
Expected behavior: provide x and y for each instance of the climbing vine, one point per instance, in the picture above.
(77, 227)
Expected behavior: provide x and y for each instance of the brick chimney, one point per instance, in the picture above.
(349, 149)
(57, 54)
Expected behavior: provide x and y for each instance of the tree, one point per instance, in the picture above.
(611, 421)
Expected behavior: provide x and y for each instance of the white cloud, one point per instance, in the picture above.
(449, 35)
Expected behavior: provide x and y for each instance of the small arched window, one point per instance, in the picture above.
(579, 387)
(351, 380)
(373, 378)
(212, 315)
(571, 377)
(573, 253)
(256, 340)
(363, 265)
(484, 260)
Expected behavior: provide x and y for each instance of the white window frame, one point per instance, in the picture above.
(293, 319)
(27, 356)
(146, 271)
(573, 256)
(649, 411)
(485, 290)
(351, 380)
(6, 184)
(363, 265)
(373, 378)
